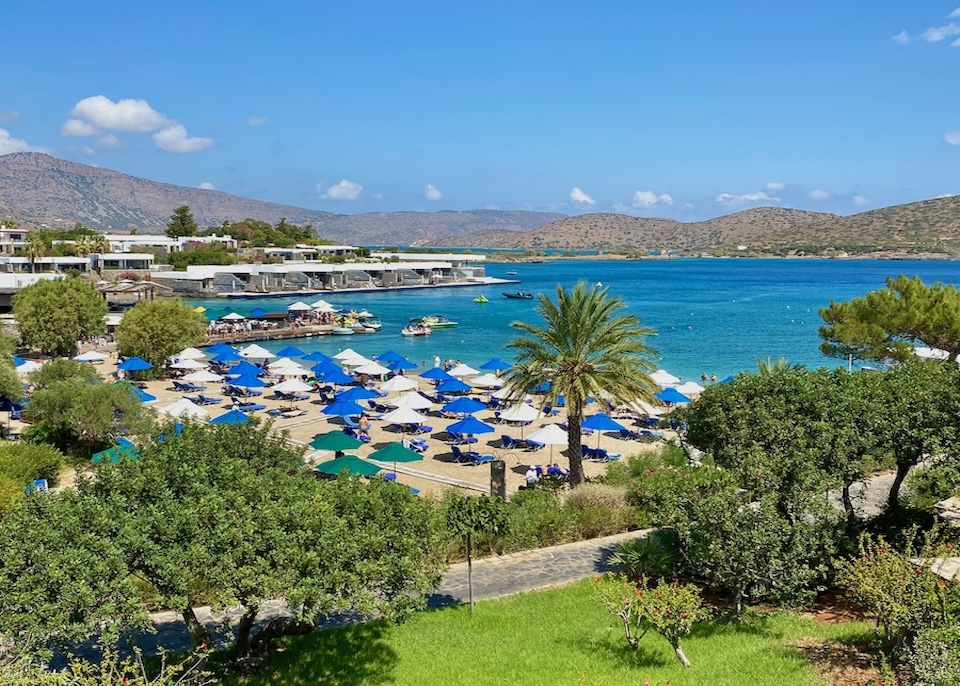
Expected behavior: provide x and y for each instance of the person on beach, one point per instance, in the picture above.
(532, 477)
(363, 425)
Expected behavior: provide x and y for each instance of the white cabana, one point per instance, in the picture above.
(190, 354)
(183, 408)
(282, 362)
(292, 386)
(323, 306)
(398, 384)
(663, 378)
(463, 370)
(414, 401)
(299, 306)
(188, 364)
(203, 376)
(346, 354)
(404, 415)
(486, 381)
(90, 356)
(232, 317)
(521, 412)
(256, 352)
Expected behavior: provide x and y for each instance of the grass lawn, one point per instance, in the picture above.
(552, 637)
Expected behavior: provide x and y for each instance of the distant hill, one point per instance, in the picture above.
(927, 226)
(39, 189)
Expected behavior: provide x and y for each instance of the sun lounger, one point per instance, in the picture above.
(250, 407)
(419, 429)
(207, 400)
(602, 455)
(418, 445)
(534, 445)
(461, 439)
(477, 459)
(354, 434)
(181, 387)
(508, 443)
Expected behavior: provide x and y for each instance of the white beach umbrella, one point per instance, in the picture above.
(663, 378)
(299, 306)
(190, 354)
(188, 364)
(486, 381)
(183, 408)
(551, 434)
(291, 369)
(643, 407)
(29, 366)
(256, 352)
(414, 401)
(203, 376)
(404, 415)
(372, 368)
(346, 354)
(323, 306)
(232, 317)
(508, 393)
(282, 362)
(690, 387)
(463, 370)
(521, 412)
(90, 356)
(292, 386)
(397, 384)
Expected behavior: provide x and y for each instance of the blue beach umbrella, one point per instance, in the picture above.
(470, 425)
(231, 417)
(141, 394)
(290, 351)
(260, 312)
(227, 356)
(436, 374)
(495, 365)
(402, 363)
(342, 408)
(389, 356)
(464, 405)
(134, 364)
(453, 386)
(316, 356)
(728, 379)
(218, 348)
(672, 396)
(17, 361)
(602, 422)
(542, 388)
(326, 367)
(356, 393)
(248, 381)
(337, 376)
(246, 369)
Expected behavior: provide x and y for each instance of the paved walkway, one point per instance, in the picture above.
(493, 577)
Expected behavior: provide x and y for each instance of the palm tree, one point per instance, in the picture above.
(99, 243)
(82, 247)
(34, 248)
(771, 367)
(587, 347)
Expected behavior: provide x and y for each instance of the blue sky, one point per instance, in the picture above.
(687, 109)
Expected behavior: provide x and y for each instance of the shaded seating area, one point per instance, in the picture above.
(461, 439)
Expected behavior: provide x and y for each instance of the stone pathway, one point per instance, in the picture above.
(493, 577)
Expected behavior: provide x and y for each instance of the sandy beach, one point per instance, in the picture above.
(437, 471)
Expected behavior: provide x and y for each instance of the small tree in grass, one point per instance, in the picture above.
(668, 608)
(472, 516)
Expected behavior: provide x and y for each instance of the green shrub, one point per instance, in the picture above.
(929, 486)
(537, 519)
(597, 495)
(661, 494)
(656, 556)
(24, 462)
(934, 658)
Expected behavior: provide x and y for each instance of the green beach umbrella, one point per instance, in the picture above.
(353, 464)
(395, 452)
(336, 441)
(115, 453)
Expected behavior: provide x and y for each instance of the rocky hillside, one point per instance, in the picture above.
(39, 189)
(928, 226)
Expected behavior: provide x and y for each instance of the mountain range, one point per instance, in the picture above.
(37, 189)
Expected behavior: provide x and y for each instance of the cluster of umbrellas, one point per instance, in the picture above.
(338, 442)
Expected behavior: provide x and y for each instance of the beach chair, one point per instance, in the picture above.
(588, 452)
(207, 400)
(350, 422)
(550, 411)
(508, 443)
(458, 455)
(461, 439)
(188, 387)
(420, 429)
(533, 446)
(250, 407)
(603, 455)
(628, 435)
(494, 403)
(475, 459)
(417, 445)
(364, 438)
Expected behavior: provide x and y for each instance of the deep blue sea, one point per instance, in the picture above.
(712, 315)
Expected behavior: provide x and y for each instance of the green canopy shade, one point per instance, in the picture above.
(353, 464)
(336, 441)
(395, 452)
(115, 453)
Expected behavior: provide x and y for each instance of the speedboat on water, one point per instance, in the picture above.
(416, 330)
(342, 331)
(481, 299)
(519, 295)
(434, 321)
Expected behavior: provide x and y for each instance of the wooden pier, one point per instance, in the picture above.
(278, 334)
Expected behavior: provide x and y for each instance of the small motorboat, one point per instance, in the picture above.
(416, 330)
(433, 321)
(511, 273)
(519, 295)
(342, 331)
(481, 299)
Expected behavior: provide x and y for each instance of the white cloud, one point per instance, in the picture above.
(955, 44)
(902, 38)
(123, 115)
(431, 192)
(946, 195)
(109, 142)
(175, 139)
(955, 14)
(819, 195)
(648, 199)
(344, 190)
(10, 115)
(577, 195)
(860, 201)
(257, 121)
(77, 127)
(735, 200)
(207, 186)
(10, 144)
(952, 137)
(775, 186)
(935, 34)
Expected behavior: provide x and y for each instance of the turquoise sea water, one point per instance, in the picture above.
(713, 316)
